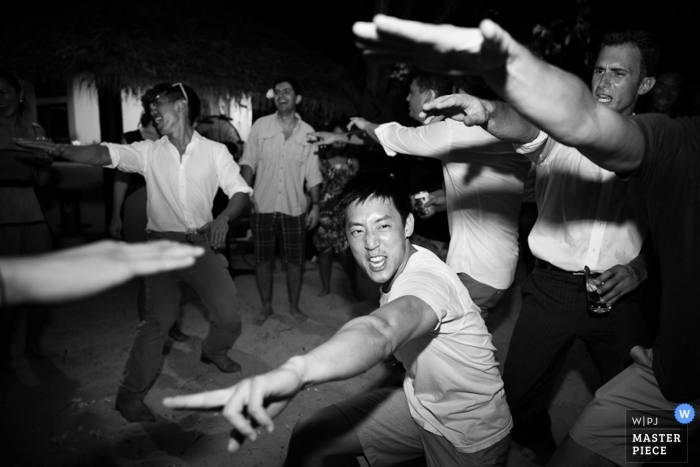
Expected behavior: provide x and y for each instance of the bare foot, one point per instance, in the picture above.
(298, 315)
(324, 292)
(261, 317)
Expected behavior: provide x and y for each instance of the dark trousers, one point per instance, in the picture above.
(210, 278)
(554, 313)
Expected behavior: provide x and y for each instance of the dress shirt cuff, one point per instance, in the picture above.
(379, 132)
(113, 154)
(533, 145)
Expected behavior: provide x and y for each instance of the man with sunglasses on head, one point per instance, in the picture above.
(183, 171)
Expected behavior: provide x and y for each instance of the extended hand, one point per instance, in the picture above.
(616, 282)
(251, 403)
(218, 230)
(80, 272)
(115, 228)
(358, 122)
(438, 48)
(52, 149)
(460, 107)
(326, 137)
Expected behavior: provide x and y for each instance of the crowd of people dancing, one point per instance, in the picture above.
(607, 185)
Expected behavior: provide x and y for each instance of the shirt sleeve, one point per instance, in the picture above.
(431, 140)
(533, 150)
(433, 289)
(229, 173)
(131, 158)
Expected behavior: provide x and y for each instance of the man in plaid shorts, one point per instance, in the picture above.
(281, 160)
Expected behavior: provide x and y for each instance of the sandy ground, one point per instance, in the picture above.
(59, 412)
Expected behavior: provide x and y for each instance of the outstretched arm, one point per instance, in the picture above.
(496, 117)
(83, 271)
(93, 154)
(356, 347)
(323, 138)
(552, 99)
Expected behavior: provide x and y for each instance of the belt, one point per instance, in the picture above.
(183, 237)
(550, 267)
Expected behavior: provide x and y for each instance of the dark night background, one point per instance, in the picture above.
(325, 26)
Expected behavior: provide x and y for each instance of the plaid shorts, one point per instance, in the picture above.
(267, 227)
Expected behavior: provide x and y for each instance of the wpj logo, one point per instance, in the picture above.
(658, 435)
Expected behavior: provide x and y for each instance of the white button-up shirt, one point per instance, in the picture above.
(180, 190)
(281, 166)
(484, 188)
(587, 216)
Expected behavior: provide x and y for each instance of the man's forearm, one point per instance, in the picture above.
(93, 154)
(315, 192)
(364, 342)
(508, 125)
(247, 174)
(236, 205)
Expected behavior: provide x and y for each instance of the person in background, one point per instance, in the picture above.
(337, 167)
(279, 157)
(129, 217)
(483, 179)
(182, 172)
(23, 227)
(666, 95)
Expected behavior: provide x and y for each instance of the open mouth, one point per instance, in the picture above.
(377, 263)
(604, 98)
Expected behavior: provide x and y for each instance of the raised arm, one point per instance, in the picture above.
(553, 100)
(356, 347)
(93, 154)
(496, 117)
(79, 272)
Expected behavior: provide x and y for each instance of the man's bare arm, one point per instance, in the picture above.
(496, 117)
(92, 154)
(356, 347)
(553, 100)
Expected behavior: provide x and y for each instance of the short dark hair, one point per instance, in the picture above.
(292, 82)
(374, 184)
(174, 92)
(644, 41)
(442, 85)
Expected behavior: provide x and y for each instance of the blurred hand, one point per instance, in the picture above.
(438, 48)
(43, 145)
(437, 200)
(460, 107)
(251, 403)
(323, 138)
(86, 270)
(358, 122)
(218, 230)
(115, 227)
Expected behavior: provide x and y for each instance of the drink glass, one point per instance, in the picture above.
(595, 301)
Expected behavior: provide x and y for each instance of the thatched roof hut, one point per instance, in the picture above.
(212, 47)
